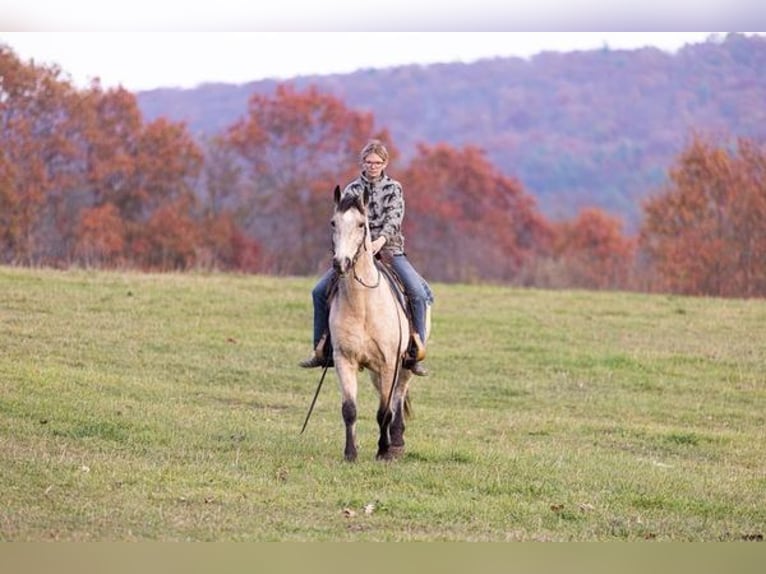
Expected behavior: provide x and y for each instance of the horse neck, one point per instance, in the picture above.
(365, 275)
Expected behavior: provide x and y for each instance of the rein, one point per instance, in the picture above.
(363, 245)
(316, 394)
(361, 281)
(399, 359)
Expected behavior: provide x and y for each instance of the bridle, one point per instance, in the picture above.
(358, 253)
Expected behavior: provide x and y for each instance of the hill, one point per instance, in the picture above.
(597, 127)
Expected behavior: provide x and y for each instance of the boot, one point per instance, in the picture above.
(415, 367)
(417, 348)
(322, 356)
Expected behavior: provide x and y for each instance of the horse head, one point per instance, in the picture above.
(350, 230)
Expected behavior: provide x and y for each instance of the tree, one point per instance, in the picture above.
(465, 221)
(100, 236)
(84, 179)
(704, 233)
(225, 244)
(146, 172)
(293, 148)
(37, 155)
(591, 252)
(171, 237)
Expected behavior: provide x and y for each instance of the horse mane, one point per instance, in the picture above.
(350, 201)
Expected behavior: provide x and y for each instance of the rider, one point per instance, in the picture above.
(385, 214)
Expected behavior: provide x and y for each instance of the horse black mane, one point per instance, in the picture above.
(351, 201)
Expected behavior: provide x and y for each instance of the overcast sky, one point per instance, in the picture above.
(145, 60)
(385, 15)
(143, 44)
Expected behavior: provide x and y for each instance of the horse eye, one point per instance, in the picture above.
(332, 223)
(361, 225)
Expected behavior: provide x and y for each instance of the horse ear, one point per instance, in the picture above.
(336, 194)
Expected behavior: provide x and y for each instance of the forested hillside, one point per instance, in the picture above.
(592, 128)
(88, 179)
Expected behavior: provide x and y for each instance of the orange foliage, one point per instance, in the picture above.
(592, 251)
(100, 236)
(295, 146)
(171, 238)
(36, 114)
(465, 221)
(227, 247)
(112, 129)
(84, 179)
(704, 233)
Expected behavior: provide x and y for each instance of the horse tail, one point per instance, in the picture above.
(408, 412)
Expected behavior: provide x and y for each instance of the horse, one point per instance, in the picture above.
(369, 329)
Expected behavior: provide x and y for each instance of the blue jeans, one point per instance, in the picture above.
(416, 288)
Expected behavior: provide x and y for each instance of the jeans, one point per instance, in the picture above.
(416, 288)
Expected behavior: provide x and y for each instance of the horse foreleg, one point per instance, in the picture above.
(348, 410)
(348, 385)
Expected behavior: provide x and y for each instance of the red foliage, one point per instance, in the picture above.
(704, 233)
(592, 251)
(227, 247)
(465, 221)
(37, 111)
(295, 146)
(100, 236)
(171, 238)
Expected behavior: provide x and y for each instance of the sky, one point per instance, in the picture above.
(146, 60)
(386, 15)
(145, 44)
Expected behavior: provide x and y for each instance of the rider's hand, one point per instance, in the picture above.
(378, 244)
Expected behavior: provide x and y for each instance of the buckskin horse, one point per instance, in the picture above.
(369, 329)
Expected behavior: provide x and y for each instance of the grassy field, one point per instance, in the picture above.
(168, 407)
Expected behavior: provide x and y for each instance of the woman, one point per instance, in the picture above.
(385, 215)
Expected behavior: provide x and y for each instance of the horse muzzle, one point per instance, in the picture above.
(342, 265)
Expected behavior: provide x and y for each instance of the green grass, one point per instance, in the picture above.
(168, 407)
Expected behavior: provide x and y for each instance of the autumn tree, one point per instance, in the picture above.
(465, 221)
(704, 234)
(36, 156)
(225, 243)
(84, 179)
(591, 251)
(294, 147)
(142, 174)
(100, 237)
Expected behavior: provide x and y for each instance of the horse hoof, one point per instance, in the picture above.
(393, 453)
(396, 451)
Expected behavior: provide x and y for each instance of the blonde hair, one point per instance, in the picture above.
(374, 146)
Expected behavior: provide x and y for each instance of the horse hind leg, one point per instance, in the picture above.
(391, 422)
(385, 416)
(396, 450)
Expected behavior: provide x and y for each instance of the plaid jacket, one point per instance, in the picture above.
(385, 209)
